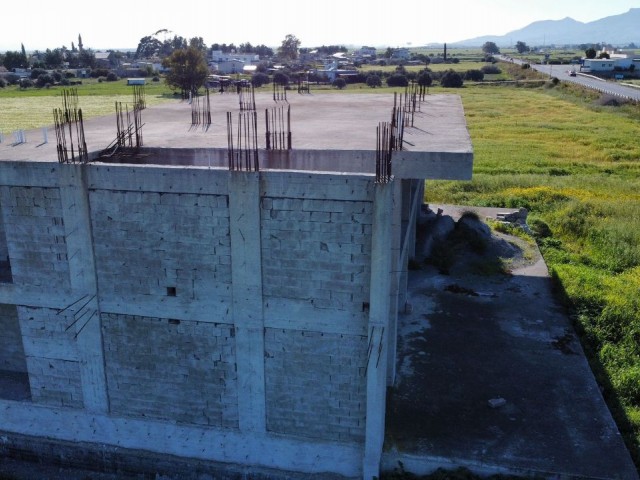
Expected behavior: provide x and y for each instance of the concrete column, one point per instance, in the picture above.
(397, 238)
(74, 197)
(246, 275)
(410, 211)
(380, 304)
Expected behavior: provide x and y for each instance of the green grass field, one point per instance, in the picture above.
(554, 150)
(33, 107)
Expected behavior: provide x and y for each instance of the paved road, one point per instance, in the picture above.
(562, 73)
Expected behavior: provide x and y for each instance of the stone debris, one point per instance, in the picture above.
(497, 402)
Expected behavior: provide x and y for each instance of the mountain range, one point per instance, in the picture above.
(616, 30)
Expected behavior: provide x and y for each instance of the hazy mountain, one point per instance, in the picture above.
(617, 30)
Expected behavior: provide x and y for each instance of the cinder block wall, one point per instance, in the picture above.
(52, 356)
(35, 236)
(160, 244)
(171, 369)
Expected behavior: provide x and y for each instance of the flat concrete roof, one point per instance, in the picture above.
(330, 132)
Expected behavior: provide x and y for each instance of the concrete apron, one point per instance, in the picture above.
(496, 381)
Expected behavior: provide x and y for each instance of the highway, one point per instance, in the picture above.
(589, 81)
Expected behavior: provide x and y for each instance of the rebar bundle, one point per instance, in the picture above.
(68, 120)
(278, 128)
(139, 96)
(245, 156)
(247, 97)
(279, 92)
(384, 149)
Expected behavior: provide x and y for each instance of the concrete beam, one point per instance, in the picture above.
(206, 443)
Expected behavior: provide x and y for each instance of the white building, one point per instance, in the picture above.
(232, 62)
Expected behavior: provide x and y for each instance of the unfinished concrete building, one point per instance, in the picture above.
(221, 283)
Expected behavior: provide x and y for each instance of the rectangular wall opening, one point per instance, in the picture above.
(5, 263)
(14, 379)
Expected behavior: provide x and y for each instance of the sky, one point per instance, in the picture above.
(120, 24)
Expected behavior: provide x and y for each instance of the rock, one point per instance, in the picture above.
(497, 402)
(519, 216)
(435, 228)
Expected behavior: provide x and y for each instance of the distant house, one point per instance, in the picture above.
(598, 65)
(232, 62)
(332, 70)
(103, 59)
(366, 52)
(228, 66)
(401, 54)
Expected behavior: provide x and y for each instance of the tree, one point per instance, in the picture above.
(14, 60)
(187, 69)
(397, 80)
(263, 51)
(490, 48)
(53, 58)
(590, 53)
(339, 83)
(522, 47)
(374, 80)
(170, 46)
(281, 78)
(148, 46)
(44, 80)
(289, 47)
(86, 58)
(424, 79)
(259, 79)
(451, 79)
(198, 42)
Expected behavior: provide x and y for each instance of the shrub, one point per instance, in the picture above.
(26, 83)
(12, 79)
(339, 83)
(611, 101)
(44, 80)
(155, 79)
(474, 75)
(3, 83)
(397, 80)
(259, 79)
(451, 79)
(112, 77)
(99, 72)
(280, 78)
(374, 80)
(491, 70)
(36, 72)
(424, 79)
